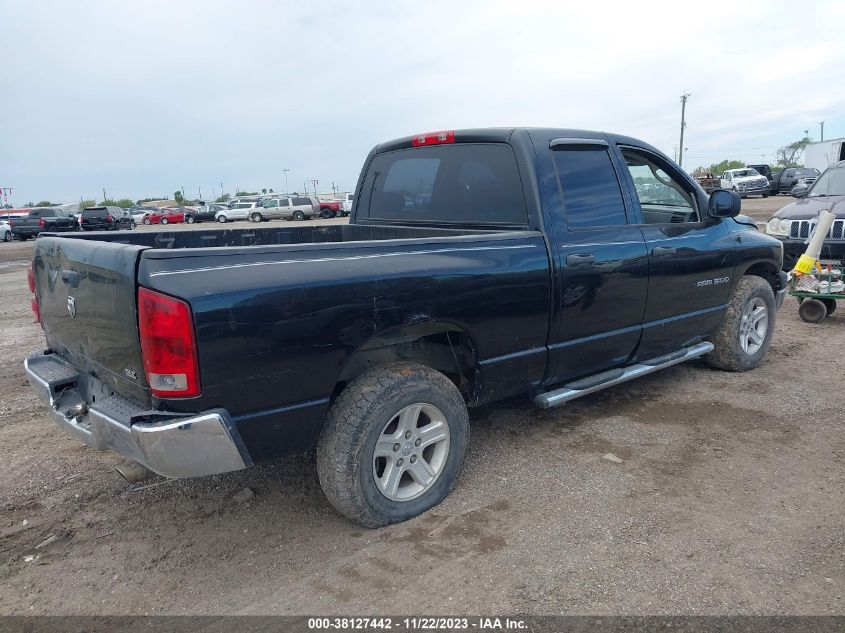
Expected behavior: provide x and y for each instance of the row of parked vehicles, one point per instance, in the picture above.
(759, 180)
(110, 218)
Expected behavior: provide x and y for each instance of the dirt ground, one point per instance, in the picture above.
(729, 500)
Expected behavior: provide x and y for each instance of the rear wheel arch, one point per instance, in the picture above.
(442, 346)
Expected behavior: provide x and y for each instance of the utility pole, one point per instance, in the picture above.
(684, 98)
(287, 189)
(315, 182)
(221, 188)
(822, 126)
(104, 194)
(200, 192)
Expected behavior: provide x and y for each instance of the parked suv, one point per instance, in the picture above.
(42, 220)
(746, 182)
(106, 219)
(793, 176)
(287, 209)
(236, 211)
(206, 213)
(795, 222)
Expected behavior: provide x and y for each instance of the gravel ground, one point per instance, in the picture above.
(729, 500)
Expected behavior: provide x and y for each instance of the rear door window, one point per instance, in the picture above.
(465, 183)
(591, 193)
(302, 202)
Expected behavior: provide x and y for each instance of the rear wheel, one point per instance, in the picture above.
(256, 217)
(147, 221)
(7, 236)
(744, 335)
(164, 220)
(23, 238)
(830, 304)
(812, 310)
(298, 215)
(189, 219)
(221, 219)
(393, 444)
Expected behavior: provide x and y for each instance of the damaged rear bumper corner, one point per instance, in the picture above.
(205, 443)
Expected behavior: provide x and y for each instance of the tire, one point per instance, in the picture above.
(23, 238)
(165, 221)
(298, 216)
(147, 221)
(256, 217)
(765, 195)
(7, 236)
(221, 219)
(189, 219)
(830, 304)
(325, 213)
(735, 347)
(812, 310)
(368, 409)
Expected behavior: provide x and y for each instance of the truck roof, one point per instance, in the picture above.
(503, 135)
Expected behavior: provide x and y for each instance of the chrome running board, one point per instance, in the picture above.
(606, 379)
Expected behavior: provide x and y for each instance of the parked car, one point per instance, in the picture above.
(239, 211)
(746, 182)
(794, 223)
(168, 215)
(707, 181)
(346, 208)
(773, 177)
(206, 213)
(106, 219)
(138, 213)
(793, 176)
(286, 209)
(5, 231)
(40, 220)
(462, 278)
(329, 208)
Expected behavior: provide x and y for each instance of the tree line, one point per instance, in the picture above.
(787, 156)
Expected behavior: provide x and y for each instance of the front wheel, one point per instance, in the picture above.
(164, 220)
(744, 335)
(393, 444)
(189, 219)
(830, 304)
(256, 217)
(7, 236)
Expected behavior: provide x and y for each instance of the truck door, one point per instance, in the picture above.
(691, 256)
(602, 262)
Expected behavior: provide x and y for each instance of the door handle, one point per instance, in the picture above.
(580, 258)
(663, 251)
(71, 278)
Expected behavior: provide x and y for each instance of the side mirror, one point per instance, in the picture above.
(799, 191)
(724, 204)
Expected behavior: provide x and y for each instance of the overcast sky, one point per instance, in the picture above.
(143, 98)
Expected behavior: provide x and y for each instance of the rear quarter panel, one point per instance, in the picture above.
(276, 327)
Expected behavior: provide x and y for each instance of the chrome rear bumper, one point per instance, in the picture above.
(203, 444)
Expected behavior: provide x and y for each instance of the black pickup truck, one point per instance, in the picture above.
(477, 265)
(42, 220)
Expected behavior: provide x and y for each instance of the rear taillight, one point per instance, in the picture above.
(33, 303)
(41, 222)
(434, 138)
(109, 219)
(168, 345)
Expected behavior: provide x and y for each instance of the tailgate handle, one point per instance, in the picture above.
(71, 278)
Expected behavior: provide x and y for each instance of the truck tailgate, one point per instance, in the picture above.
(87, 291)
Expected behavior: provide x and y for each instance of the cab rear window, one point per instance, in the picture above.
(474, 183)
(95, 213)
